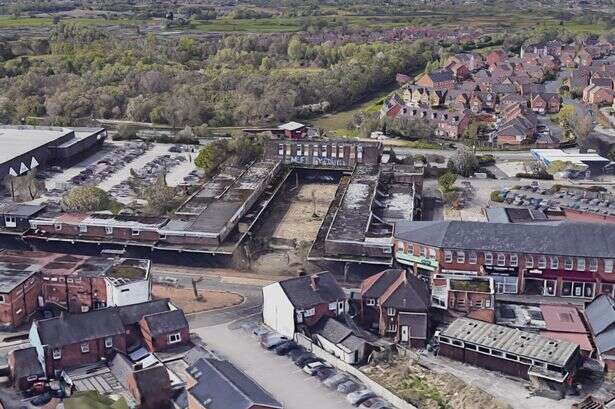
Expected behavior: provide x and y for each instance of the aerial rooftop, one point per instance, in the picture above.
(511, 340)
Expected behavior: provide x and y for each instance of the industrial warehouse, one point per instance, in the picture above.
(28, 147)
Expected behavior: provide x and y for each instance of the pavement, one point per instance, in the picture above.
(276, 374)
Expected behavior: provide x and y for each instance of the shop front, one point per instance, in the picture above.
(562, 283)
(423, 266)
(505, 279)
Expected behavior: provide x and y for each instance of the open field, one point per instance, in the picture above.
(299, 222)
(184, 298)
(16, 22)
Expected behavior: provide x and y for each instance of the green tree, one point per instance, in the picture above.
(86, 199)
(296, 49)
(212, 155)
(160, 197)
(446, 181)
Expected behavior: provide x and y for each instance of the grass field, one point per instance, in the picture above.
(336, 123)
(16, 22)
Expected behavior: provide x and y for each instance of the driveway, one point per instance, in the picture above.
(276, 374)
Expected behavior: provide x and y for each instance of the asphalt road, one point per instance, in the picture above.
(276, 374)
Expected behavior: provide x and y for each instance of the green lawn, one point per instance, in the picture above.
(263, 25)
(336, 123)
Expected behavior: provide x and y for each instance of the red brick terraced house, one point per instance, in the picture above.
(439, 79)
(396, 304)
(162, 330)
(568, 259)
(73, 340)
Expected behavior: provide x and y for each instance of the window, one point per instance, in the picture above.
(400, 246)
(288, 149)
(392, 327)
(108, 342)
(511, 356)
(57, 353)
(471, 346)
(341, 152)
(85, 348)
(478, 303)
(135, 232)
(593, 264)
(608, 265)
(340, 306)
(324, 151)
(370, 302)
(2, 298)
(315, 150)
(554, 262)
(333, 306)
(10, 221)
(310, 312)
(174, 338)
(577, 289)
(391, 312)
(69, 280)
(108, 229)
(580, 264)
(501, 259)
(472, 257)
(568, 263)
(334, 151)
(542, 262)
(525, 360)
(495, 353)
(529, 261)
(484, 350)
(423, 251)
(432, 253)
(83, 228)
(461, 257)
(448, 256)
(57, 226)
(488, 259)
(299, 149)
(280, 149)
(514, 260)
(488, 303)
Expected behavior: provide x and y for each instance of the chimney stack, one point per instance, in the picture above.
(315, 280)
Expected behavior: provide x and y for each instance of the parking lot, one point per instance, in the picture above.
(277, 374)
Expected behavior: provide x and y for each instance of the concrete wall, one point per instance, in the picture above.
(130, 293)
(343, 366)
(278, 312)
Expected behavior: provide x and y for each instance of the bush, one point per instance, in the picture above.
(539, 176)
(486, 160)
(446, 181)
(496, 197)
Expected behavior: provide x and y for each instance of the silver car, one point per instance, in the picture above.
(357, 397)
(348, 386)
(335, 380)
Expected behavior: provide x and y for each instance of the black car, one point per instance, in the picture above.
(285, 347)
(324, 373)
(41, 399)
(296, 353)
(306, 359)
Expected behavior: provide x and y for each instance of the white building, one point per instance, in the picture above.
(129, 283)
(302, 301)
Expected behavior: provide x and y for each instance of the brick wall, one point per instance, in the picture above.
(73, 357)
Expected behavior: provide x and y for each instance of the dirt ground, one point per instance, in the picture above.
(300, 222)
(184, 298)
(429, 390)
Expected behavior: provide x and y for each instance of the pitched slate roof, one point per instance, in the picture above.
(153, 381)
(222, 386)
(167, 321)
(70, 329)
(131, 314)
(564, 239)
(389, 286)
(600, 314)
(301, 294)
(441, 75)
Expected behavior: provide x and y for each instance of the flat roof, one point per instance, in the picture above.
(222, 198)
(551, 155)
(354, 213)
(511, 340)
(19, 140)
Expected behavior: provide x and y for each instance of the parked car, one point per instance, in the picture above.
(296, 353)
(272, 341)
(285, 347)
(375, 403)
(259, 332)
(325, 373)
(335, 380)
(312, 367)
(306, 359)
(348, 386)
(358, 397)
(41, 399)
